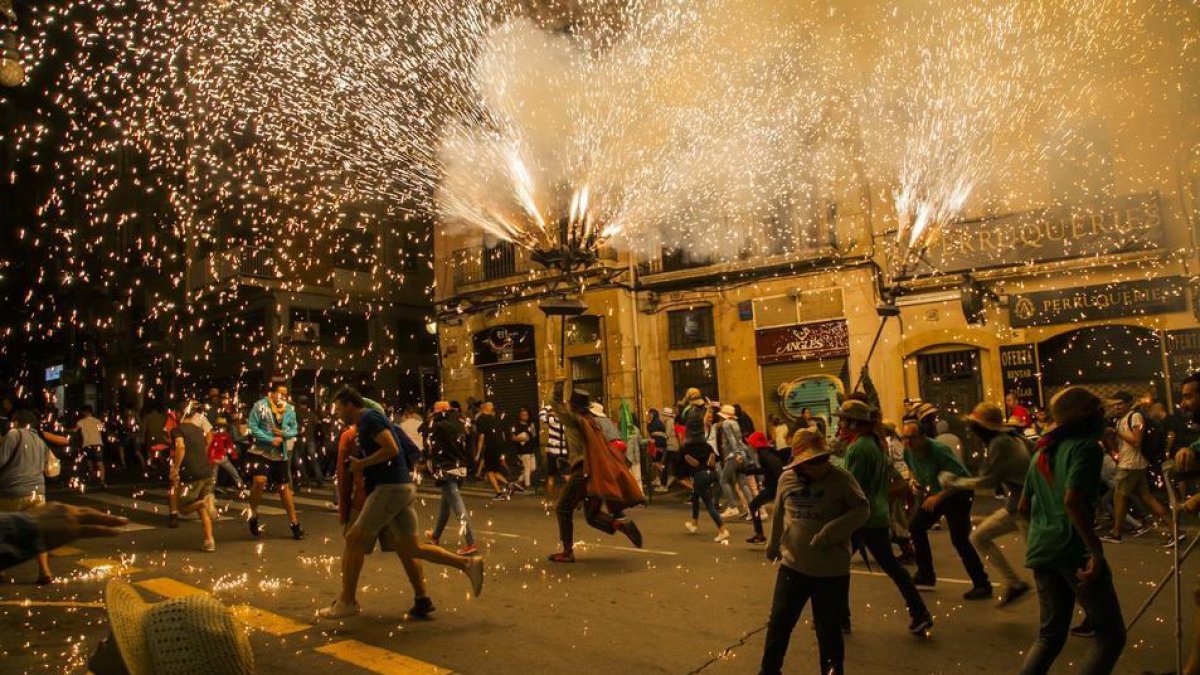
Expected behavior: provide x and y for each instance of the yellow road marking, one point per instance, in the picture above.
(115, 567)
(253, 617)
(50, 603)
(378, 660)
(64, 551)
(262, 620)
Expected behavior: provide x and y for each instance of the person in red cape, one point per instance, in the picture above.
(598, 479)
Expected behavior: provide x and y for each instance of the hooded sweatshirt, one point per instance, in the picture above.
(814, 520)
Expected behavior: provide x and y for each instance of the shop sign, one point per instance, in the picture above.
(1019, 370)
(805, 342)
(1183, 354)
(1129, 223)
(1105, 301)
(504, 344)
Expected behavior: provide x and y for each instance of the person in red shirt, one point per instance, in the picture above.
(352, 493)
(1017, 411)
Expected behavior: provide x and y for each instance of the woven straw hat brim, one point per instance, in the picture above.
(986, 423)
(857, 415)
(805, 457)
(197, 635)
(126, 611)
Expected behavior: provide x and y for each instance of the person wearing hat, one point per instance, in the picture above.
(598, 478)
(1061, 492)
(1133, 469)
(770, 467)
(818, 509)
(870, 466)
(927, 460)
(450, 460)
(191, 635)
(1005, 465)
(735, 460)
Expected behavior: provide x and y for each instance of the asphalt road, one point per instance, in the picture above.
(682, 605)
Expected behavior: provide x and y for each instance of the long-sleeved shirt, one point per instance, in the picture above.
(572, 432)
(814, 520)
(869, 466)
(20, 539)
(926, 466)
(1006, 464)
(263, 424)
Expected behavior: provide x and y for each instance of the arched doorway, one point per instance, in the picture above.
(1106, 359)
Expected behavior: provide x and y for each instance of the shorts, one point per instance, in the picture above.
(493, 461)
(25, 503)
(276, 470)
(389, 514)
(556, 465)
(350, 523)
(1132, 482)
(196, 490)
(94, 453)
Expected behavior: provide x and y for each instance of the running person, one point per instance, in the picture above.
(91, 433)
(449, 459)
(272, 424)
(192, 474)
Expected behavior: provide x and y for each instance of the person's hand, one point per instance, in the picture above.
(1090, 571)
(1184, 459)
(61, 524)
(930, 503)
(355, 465)
(773, 555)
(277, 441)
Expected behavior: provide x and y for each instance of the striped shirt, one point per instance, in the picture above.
(556, 441)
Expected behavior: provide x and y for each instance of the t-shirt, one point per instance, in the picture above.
(195, 465)
(23, 458)
(488, 426)
(869, 466)
(556, 440)
(1022, 414)
(411, 426)
(1129, 457)
(938, 458)
(90, 431)
(393, 471)
(1075, 465)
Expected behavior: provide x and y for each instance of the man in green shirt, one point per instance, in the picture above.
(870, 466)
(927, 460)
(1063, 551)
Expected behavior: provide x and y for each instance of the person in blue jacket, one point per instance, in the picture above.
(274, 428)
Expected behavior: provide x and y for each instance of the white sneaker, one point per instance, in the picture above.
(339, 610)
(730, 513)
(723, 535)
(210, 545)
(474, 572)
(691, 527)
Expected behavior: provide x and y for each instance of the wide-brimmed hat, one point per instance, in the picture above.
(728, 412)
(806, 456)
(988, 416)
(852, 409)
(668, 412)
(1121, 397)
(191, 635)
(807, 445)
(758, 440)
(581, 399)
(1075, 404)
(597, 409)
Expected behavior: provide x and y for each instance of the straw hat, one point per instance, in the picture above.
(727, 412)
(807, 445)
(853, 409)
(917, 409)
(192, 635)
(597, 409)
(988, 416)
(1075, 404)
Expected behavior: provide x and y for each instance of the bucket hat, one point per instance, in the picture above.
(988, 416)
(852, 409)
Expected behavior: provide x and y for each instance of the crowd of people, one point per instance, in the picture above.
(1070, 478)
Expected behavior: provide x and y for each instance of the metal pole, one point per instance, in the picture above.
(874, 343)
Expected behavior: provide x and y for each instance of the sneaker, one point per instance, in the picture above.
(1083, 630)
(469, 549)
(757, 539)
(45, 580)
(1012, 594)
(209, 545)
(924, 582)
(255, 528)
(722, 536)
(748, 518)
(515, 487)
(422, 608)
(979, 593)
(339, 610)
(730, 513)
(475, 574)
(690, 526)
(501, 497)
(431, 539)
(563, 557)
(1140, 529)
(297, 531)
(1110, 538)
(1170, 541)
(330, 506)
(920, 625)
(173, 521)
(630, 529)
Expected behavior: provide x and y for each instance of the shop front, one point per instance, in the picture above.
(505, 356)
(805, 366)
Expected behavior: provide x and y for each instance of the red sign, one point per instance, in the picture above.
(806, 342)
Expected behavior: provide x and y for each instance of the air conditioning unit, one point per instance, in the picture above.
(305, 332)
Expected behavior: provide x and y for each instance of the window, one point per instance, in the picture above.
(354, 250)
(337, 329)
(690, 328)
(583, 330)
(698, 373)
(499, 261)
(587, 373)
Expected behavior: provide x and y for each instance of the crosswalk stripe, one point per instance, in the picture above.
(65, 551)
(378, 660)
(127, 503)
(226, 505)
(253, 617)
(52, 603)
(114, 567)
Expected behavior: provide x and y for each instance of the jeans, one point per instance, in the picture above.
(573, 494)
(957, 511)
(452, 501)
(878, 542)
(228, 467)
(1001, 522)
(702, 484)
(1058, 591)
(792, 592)
(307, 462)
(764, 497)
(732, 480)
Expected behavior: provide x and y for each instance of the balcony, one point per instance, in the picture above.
(224, 266)
(480, 267)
